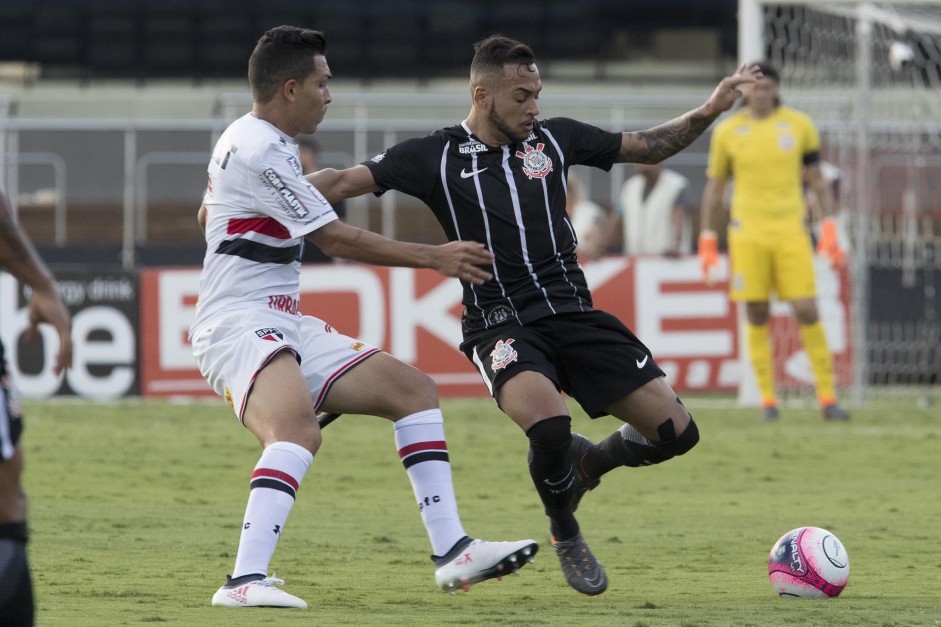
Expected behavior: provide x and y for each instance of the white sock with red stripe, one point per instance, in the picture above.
(420, 441)
(274, 485)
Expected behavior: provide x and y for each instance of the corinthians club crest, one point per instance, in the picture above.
(502, 355)
(536, 165)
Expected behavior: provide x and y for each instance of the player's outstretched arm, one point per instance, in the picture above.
(337, 185)
(462, 260)
(18, 256)
(656, 144)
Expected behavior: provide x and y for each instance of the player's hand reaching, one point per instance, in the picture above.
(463, 260)
(729, 88)
(708, 254)
(829, 244)
(46, 305)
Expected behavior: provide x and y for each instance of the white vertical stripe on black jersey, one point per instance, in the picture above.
(521, 227)
(565, 186)
(457, 228)
(496, 270)
(500, 196)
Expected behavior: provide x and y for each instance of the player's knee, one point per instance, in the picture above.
(314, 438)
(686, 440)
(671, 444)
(758, 313)
(419, 392)
(551, 433)
(307, 436)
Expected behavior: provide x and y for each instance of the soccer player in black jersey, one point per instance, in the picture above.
(19, 258)
(499, 177)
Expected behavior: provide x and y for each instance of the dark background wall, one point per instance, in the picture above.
(201, 39)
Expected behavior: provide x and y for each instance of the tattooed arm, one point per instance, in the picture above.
(657, 143)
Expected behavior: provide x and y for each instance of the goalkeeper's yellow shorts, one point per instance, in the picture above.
(781, 266)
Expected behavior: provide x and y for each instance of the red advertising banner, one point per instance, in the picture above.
(691, 328)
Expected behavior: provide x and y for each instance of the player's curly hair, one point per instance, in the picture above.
(283, 53)
(494, 52)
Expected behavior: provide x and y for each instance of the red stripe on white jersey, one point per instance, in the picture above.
(264, 226)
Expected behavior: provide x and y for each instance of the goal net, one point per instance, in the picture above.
(869, 74)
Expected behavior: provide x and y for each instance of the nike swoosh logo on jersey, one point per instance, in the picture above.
(642, 362)
(466, 175)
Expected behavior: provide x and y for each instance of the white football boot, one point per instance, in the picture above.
(479, 560)
(256, 593)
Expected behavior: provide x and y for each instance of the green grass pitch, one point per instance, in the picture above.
(136, 508)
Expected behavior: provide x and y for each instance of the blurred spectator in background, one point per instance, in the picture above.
(588, 220)
(653, 212)
(19, 258)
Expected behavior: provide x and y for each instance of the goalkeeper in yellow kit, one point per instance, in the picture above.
(771, 151)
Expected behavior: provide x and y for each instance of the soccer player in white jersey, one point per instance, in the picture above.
(277, 367)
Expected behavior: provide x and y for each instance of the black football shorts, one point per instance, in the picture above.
(592, 356)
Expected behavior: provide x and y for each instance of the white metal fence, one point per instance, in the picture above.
(135, 164)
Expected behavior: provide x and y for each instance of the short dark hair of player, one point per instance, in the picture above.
(494, 52)
(283, 53)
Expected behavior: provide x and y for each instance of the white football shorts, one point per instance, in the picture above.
(231, 350)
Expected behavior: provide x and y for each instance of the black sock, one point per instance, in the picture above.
(549, 442)
(16, 590)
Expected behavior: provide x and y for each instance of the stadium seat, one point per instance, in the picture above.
(225, 43)
(57, 36)
(114, 44)
(169, 44)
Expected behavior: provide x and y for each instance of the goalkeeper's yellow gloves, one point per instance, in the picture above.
(708, 253)
(828, 243)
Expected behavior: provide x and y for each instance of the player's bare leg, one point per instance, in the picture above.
(280, 414)
(384, 386)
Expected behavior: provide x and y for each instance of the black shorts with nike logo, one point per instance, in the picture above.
(592, 356)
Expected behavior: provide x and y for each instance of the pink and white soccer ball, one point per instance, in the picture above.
(808, 562)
